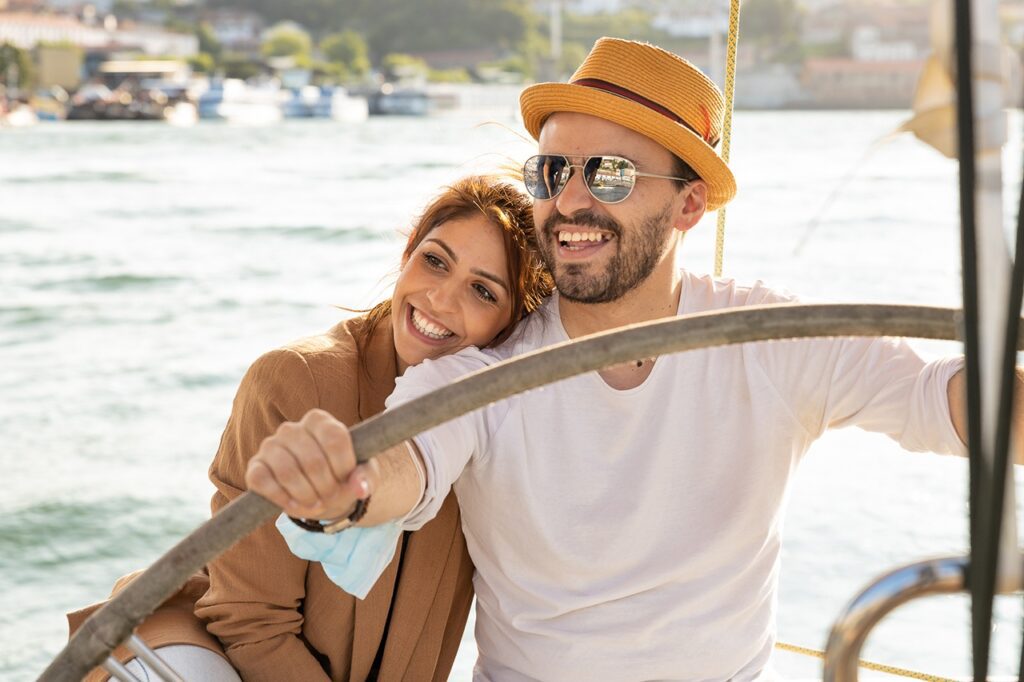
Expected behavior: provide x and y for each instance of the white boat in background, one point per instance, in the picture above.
(20, 116)
(181, 114)
(334, 102)
(402, 100)
(491, 100)
(236, 101)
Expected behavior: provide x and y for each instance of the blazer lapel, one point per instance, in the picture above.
(378, 369)
(429, 550)
(371, 615)
(376, 382)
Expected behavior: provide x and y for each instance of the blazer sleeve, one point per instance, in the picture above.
(257, 587)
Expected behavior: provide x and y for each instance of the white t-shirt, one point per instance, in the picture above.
(635, 534)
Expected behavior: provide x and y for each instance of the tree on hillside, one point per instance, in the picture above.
(15, 67)
(403, 67)
(208, 42)
(287, 40)
(773, 27)
(323, 16)
(633, 24)
(403, 25)
(347, 49)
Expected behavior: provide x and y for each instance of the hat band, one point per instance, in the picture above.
(614, 89)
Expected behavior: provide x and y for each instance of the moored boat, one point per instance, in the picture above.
(333, 102)
(236, 101)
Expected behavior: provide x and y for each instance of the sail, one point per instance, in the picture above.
(934, 106)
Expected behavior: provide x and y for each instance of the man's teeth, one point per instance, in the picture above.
(434, 331)
(566, 236)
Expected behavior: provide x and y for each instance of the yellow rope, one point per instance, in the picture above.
(730, 87)
(877, 667)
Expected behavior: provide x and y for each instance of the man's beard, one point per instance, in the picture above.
(634, 261)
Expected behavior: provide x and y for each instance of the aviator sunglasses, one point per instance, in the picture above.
(609, 179)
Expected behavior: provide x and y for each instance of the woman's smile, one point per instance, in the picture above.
(427, 327)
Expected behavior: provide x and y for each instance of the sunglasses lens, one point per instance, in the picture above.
(610, 178)
(545, 175)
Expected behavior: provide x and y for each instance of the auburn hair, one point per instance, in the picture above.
(508, 209)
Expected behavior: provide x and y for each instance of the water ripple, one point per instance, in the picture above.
(80, 177)
(7, 225)
(110, 282)
(319, 233)
(27, 315)
(60, 533)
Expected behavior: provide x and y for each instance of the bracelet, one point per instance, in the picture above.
(332, 526)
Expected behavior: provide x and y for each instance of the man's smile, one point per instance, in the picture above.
(578, 244)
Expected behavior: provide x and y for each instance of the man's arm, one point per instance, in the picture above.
(308, 468)
(956, 390)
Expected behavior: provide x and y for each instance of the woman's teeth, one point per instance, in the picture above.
(427, 328)
(567, 237)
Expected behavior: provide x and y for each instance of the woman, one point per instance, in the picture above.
(470, 271)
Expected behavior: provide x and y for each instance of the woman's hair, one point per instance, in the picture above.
(506, 208)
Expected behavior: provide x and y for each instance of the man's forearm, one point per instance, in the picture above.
(957, 393)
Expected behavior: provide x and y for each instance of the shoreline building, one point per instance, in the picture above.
(68, 51)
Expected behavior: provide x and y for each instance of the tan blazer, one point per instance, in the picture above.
(279, 617)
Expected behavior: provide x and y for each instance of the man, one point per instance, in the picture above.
(624, 524)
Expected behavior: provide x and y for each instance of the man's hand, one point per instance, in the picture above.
(308, 468)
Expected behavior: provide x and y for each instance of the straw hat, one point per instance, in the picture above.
(651, 91)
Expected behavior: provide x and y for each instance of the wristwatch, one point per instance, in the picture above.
(332, 526)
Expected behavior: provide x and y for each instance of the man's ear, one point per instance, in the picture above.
(692, 202)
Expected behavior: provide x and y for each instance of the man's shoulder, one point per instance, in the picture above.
(536, 330)
(703, 292)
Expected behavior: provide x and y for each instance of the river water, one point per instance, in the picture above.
(142, 268)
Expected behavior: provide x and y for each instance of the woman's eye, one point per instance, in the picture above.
(484, 293)
(433, 261)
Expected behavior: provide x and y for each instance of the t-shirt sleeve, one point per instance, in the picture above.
(879, 384)
(449, 447)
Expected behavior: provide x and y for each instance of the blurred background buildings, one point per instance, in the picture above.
(793, 53)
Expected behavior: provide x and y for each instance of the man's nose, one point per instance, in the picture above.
(574, 196)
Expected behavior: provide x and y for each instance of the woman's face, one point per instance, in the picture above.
(453, 291)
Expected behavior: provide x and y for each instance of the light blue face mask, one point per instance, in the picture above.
(353, 559)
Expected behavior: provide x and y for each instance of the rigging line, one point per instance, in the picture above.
(867, 665)
(730, 89)
(982, 595)
(844, 182)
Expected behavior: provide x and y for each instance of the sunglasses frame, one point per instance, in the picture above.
(582, 167)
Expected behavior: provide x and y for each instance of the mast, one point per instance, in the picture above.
(973, 128)
(987, 264)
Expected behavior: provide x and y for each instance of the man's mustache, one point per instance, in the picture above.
(581, 219)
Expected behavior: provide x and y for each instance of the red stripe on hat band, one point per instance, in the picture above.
(628, 94)
(599, 84)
